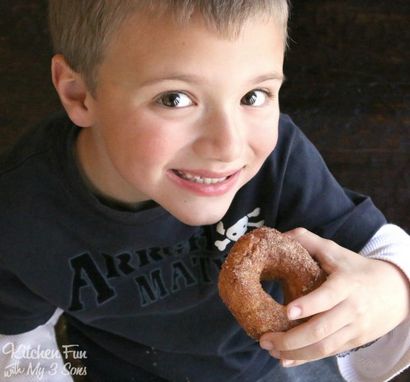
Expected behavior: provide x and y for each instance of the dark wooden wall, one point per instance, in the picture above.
(348, 87)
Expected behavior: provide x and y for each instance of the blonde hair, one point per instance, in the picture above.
(81, 29)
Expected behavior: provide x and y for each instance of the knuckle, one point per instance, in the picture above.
(359, 308)
(323, 349)
(300, 231)
(319, 330)
(286, 345)
(332, 293)
(289, 342)
(331, 246)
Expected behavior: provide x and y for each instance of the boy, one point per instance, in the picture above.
(121, 214)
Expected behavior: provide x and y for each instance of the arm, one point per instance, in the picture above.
(19, 364)
(390, 355)
(362, 300)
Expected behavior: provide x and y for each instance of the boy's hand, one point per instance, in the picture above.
(361, 300)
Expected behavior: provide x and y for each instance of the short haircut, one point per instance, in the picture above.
(81, 29)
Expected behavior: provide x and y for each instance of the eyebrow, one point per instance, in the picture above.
(193, 78)
(269, 76)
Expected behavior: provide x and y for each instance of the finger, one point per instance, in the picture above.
(338, 342)
(331, 293)
(311, 332)
(325, 251)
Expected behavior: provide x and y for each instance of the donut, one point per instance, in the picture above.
(266, 254)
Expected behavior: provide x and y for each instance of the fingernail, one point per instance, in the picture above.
(287, 362)
(294, 313)
(266, 345)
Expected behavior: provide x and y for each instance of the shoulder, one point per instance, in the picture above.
(26, 169)
(265, 191)
(293, 154)
(288, 128)
(291, 137)
(30, 185)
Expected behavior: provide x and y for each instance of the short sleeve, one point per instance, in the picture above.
(21, 310)
(312, 198)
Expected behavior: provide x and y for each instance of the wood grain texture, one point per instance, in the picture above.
(348, 88)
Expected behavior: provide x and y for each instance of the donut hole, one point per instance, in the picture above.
(275, 289)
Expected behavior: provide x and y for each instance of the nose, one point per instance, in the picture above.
(222, 137)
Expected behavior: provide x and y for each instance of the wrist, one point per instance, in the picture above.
(400, 285)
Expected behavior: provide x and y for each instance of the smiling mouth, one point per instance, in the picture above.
(200, 179)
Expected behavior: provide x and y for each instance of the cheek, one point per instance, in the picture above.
(264, 135)
(146, 141)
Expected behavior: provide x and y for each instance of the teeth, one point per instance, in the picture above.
(200, 179)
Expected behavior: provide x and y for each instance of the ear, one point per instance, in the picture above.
(73, 92)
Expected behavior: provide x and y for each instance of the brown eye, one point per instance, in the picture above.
(255, 98)
(174, 100)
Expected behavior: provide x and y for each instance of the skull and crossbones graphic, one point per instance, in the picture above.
(234, 232)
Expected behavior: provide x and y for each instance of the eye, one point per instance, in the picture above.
(255, 98)
(174, 100)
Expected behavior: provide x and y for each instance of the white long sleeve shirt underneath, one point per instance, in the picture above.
(33, 356)
(379, 362)
(390, 354)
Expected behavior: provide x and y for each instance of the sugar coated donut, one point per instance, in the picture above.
(266, 254)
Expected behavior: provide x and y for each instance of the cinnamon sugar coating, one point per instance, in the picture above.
(266, 254)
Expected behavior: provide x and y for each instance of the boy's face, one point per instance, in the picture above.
(183, 116)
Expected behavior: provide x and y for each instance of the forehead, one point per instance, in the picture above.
(156, 46)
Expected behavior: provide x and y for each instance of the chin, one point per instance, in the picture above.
(200, 220)
(203, 217)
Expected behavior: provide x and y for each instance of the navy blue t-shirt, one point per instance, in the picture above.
(140, 286)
